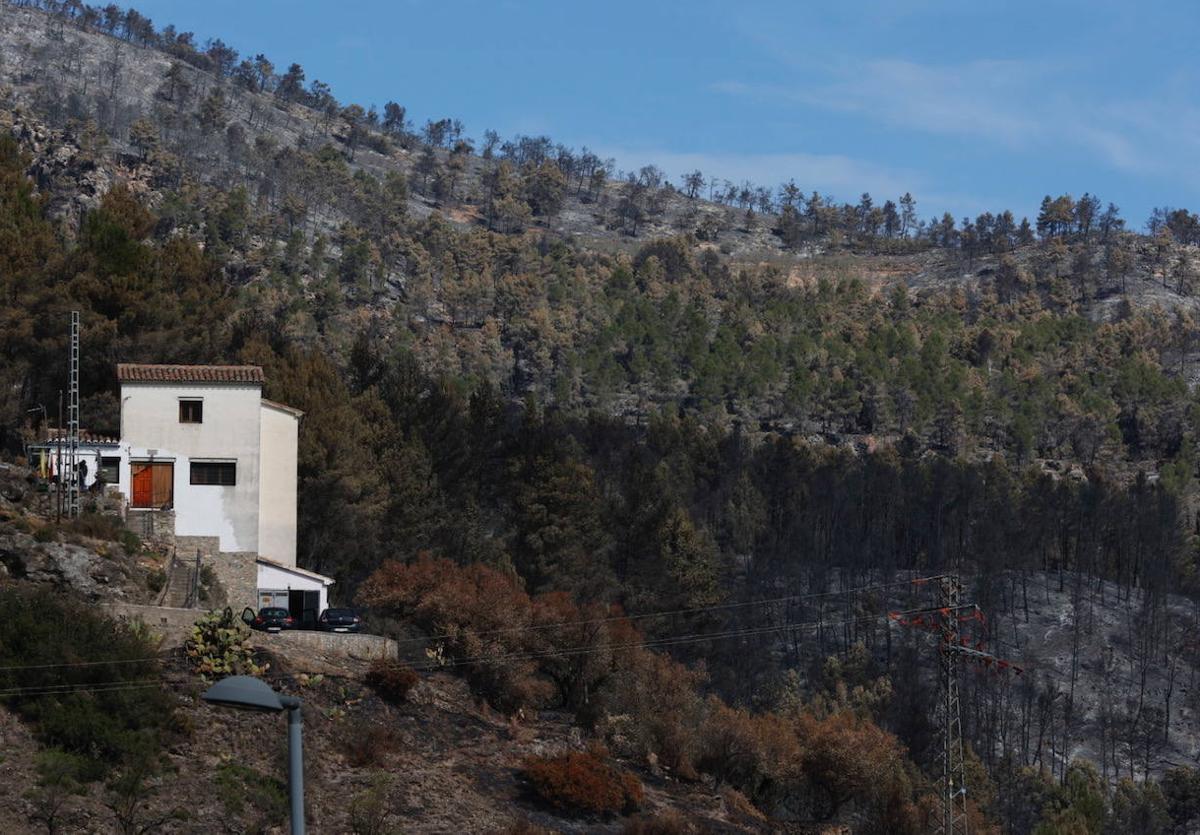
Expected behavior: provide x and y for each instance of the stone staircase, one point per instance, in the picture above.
(177, 592)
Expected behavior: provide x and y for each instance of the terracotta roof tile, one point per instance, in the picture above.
(128, 372)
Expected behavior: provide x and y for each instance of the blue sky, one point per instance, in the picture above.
(970, 106)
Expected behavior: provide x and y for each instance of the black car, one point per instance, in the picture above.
(269, 619)
(339, 620)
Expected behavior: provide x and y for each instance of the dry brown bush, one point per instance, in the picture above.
(847, 757)
(659, 696)
(584, 781)
(758, 754)
(368, 744)
(666, 822)
(516, 651)
(737, 806)
(524, 827)
(391, 679)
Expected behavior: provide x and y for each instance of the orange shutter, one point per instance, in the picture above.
(143, 485)
(164, 478)
(153, 484)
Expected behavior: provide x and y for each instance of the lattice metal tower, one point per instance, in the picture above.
(70, 469)
(954, 772)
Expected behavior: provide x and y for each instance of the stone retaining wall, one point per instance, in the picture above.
(303, 642)
(304, 651)
(155, 525)
(172, 625)
(237, 571)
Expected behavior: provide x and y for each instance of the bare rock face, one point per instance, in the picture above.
(60, 563)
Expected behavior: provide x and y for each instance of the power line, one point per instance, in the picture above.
(670, 612)
(68, 689)
(84, 663)
(654, 643)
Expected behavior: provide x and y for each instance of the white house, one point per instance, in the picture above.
(98, 458)
(201, 441)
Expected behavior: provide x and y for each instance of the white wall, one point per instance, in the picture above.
(85, 452)
(279, 437)
(280, 579)
(230, 431)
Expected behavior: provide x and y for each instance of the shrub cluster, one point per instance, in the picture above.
(584, 781)
(56, 652)
(219, 646)
(512, 647)
(520, 650)
(391, 679)
(368, 745)
(666, 822)
(260, 798)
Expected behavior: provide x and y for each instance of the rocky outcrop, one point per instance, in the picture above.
(71, 566)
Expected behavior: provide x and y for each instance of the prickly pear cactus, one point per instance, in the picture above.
(219, 646)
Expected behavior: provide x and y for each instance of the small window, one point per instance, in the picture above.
(214, 472)
(191, 411)
(110, 469)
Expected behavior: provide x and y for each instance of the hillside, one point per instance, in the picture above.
(436, 764)
(588, 393)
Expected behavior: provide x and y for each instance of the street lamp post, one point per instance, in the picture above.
(250, 693)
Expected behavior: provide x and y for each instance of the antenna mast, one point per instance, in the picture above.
(954, 770)
(945, 620)
(71, 468)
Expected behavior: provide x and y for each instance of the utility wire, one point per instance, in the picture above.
(671, 640)
(670, 612)
(66, 690)
(84, 663)
(665, 641)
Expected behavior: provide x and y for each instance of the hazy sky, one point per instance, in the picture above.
(970, 106)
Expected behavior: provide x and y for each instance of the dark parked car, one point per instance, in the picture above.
(269, 619)
(339, 620)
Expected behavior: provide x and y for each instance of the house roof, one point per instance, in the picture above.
(129, 372)
(51, 435)
(283, 407)
(304, 572)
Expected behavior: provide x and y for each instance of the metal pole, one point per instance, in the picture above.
(74, 486)
(58, 463)
(295, 763)
(954, 783)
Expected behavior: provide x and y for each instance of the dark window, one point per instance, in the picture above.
(191, 411)
(214, 472)
(110, 469)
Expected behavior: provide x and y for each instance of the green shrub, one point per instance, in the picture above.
(259, 799)
(391, 679)
(58, 780)
(96, 526)
(219, 646)
(372, 811)
(130, 542)
(106, 713)
(46, 533)
(208, 575)
(584, 781)
(155, 580)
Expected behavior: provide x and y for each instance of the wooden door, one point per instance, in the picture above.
(153, 484)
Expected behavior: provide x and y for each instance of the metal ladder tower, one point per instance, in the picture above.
(71, 467)
(954, 771)
(945, 619)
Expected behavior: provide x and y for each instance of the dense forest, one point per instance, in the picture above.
(638, 413)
